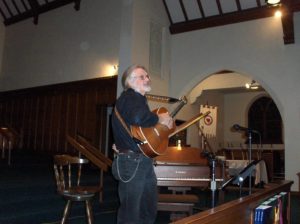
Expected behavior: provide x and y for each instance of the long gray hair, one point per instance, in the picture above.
(128, 74)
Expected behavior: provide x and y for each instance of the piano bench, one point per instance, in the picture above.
(177, 202)
(178, 198)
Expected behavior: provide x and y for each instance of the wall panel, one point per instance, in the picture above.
(43, 116)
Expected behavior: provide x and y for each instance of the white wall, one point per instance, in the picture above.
(256, 50)
(66, 45)
(135, 37)
(2, 39)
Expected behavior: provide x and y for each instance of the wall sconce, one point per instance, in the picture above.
(115, 69)
(111, 70)
(252, 85)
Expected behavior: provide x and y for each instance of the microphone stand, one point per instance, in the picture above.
(249, 132)
(213, 183)
(250, 158)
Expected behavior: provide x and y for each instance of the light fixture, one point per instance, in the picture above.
(111, 70)
(252, 85)
(278, 14)
(273, 2)
(178, 143)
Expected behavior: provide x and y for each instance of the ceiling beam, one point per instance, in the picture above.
(287, 8)
(37, 9)
(228, 18)
(287, 21)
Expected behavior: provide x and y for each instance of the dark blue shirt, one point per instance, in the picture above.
(134, 109)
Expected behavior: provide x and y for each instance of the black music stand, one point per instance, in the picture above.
(241, 176)
(249, 132)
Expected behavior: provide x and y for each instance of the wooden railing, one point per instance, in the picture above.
(93, 150)
(96, 159)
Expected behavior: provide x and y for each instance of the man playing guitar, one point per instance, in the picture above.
(132, 168)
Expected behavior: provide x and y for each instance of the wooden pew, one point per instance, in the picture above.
(240, 210)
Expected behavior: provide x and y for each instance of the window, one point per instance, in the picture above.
(264, 117)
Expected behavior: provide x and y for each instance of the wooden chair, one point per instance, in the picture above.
(68, 170)
(93, 154)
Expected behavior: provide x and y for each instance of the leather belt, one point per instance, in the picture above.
(126, 151)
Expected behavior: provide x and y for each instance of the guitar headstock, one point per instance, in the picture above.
(183, 99)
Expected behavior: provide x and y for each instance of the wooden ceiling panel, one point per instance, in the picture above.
(248, 4)
(229, 6)
(210, 7)
(192, 9)
(175, 10)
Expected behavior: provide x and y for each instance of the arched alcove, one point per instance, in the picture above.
(225, 83)
(227, 91)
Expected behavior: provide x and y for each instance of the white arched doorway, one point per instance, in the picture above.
(225, 90)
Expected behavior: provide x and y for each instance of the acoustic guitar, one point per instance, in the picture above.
(153, 141)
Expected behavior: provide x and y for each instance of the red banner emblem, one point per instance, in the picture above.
(208, 120)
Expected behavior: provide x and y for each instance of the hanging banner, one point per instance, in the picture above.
(208, 124)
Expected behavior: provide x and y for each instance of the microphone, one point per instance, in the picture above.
(240, 128)
(165, 99)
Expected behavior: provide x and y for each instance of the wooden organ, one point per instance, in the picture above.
(185, 167)
(179, 171)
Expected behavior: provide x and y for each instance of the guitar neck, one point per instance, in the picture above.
(188, 123)
(183, 101)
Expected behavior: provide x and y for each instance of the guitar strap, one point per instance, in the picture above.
(117, 163)
(137, 141)
(122, 122)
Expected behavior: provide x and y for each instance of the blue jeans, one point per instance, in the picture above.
(137, 188)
